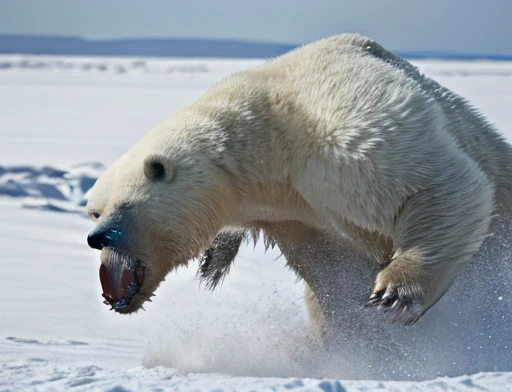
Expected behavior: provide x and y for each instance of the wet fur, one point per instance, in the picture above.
(216, 261)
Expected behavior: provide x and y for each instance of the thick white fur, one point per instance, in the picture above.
(339, 135)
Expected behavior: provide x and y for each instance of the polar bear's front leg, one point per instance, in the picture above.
(437, 232)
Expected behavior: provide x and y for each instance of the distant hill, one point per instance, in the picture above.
(28, 44)
(150, 47)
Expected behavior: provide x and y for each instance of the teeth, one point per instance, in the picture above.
(113, 260)
(115, 257)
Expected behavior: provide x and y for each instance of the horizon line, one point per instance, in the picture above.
(263, 49)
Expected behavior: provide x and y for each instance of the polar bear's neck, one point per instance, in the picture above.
(246, 137)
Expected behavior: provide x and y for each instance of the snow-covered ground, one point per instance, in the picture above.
(62, 120)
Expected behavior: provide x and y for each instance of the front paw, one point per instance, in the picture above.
(406, 307)
(400, 294)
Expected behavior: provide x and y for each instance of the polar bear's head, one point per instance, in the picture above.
(155, 209)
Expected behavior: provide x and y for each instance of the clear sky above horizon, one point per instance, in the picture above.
(460, 26)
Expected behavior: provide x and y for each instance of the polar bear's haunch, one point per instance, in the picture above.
(339, 141)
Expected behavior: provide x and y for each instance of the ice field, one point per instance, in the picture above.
(62, 121)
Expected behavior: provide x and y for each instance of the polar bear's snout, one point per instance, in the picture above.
(122, 274)
(104, 237)
(110, 232)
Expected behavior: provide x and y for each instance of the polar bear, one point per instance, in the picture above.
(337, 151)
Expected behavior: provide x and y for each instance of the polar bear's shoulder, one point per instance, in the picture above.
(367, 46)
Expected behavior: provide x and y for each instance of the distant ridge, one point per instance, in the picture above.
(167, 47)
(28, 44)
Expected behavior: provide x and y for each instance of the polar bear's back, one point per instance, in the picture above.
(474, 134)
(355, 126)
(364, 78)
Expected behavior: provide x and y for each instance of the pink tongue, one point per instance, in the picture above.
(114, 281)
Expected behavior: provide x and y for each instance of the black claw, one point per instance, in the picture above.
(371, 302)
(374, 299)
(388, 299)
(396, 302)
(375, 295)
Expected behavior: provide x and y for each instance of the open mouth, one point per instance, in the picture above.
(121, 278)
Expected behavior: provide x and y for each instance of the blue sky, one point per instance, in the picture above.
(461, 26)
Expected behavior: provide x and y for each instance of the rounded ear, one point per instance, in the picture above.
(158, 168)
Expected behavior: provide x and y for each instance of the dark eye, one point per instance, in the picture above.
(95, 215)
(155, 170)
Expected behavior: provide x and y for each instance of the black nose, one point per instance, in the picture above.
(99, 239)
